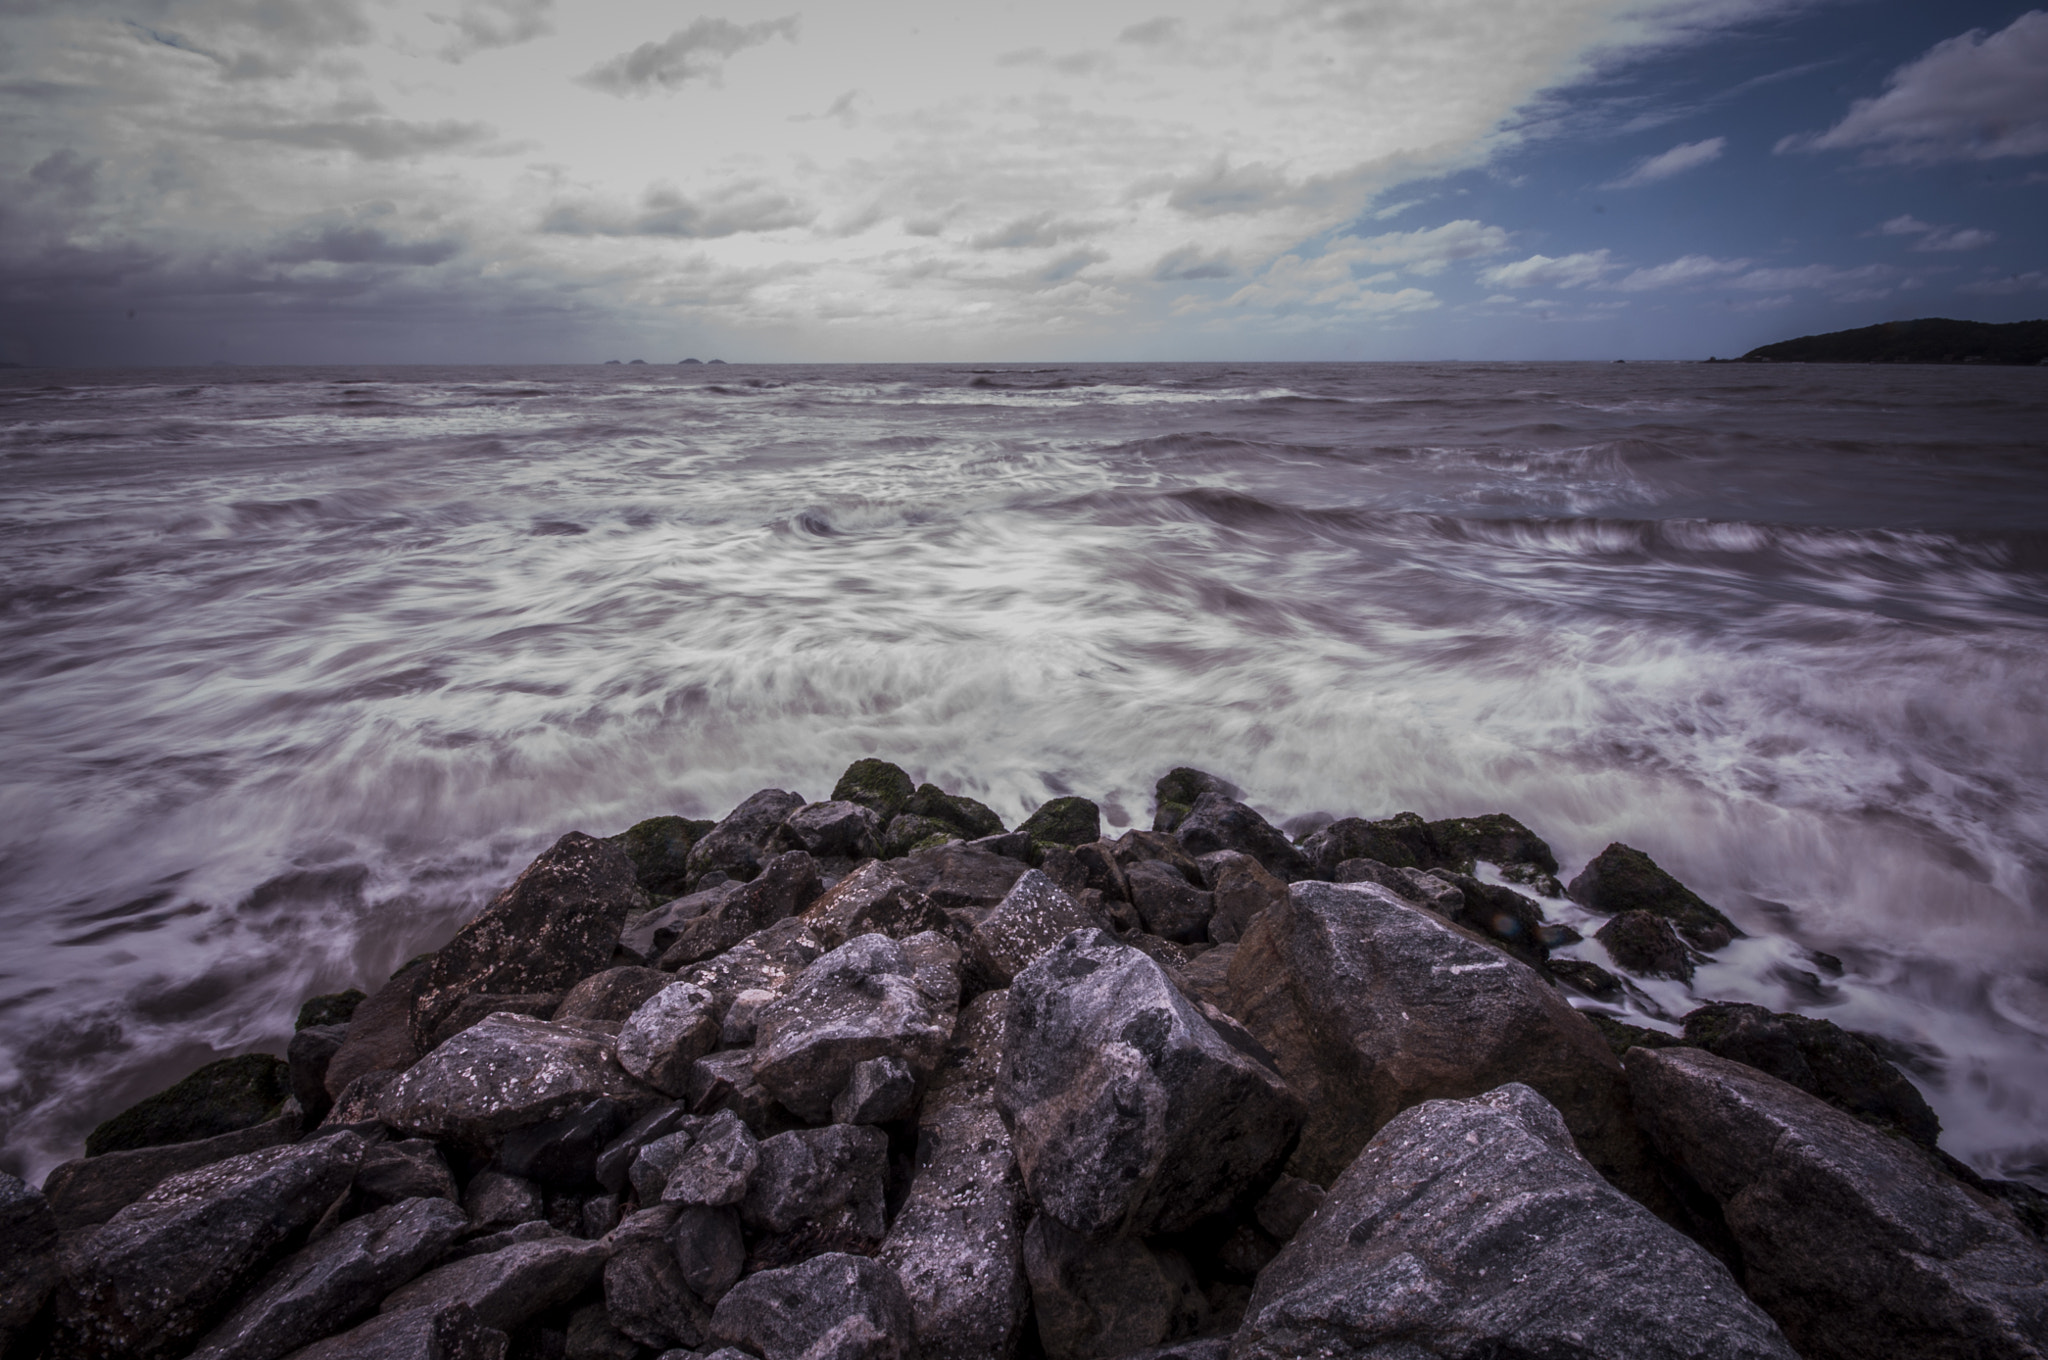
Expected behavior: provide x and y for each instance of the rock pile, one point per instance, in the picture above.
(878, 1079)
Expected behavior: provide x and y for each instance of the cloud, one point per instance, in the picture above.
(1970, 98)
(1811, 276)
(372, 138)
(1679, 159)
(1935, 238)
(2033, 281)
(726, 211)
(698, 52)
(1024, 233)
(1688, 269)
(1189, 263)
(1426, 251)
(1163, 29)
(1544, 271)
(362, 241)
(482, 25)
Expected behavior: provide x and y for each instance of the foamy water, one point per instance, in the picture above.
(302, 664)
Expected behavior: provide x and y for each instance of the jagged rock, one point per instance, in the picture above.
(837, 830)
(505, 1073)
(738, 847)
(1064, 868)
(907, 832)
(871, 899)
(875, 784)
(716, 1166)
(1460, 842)
(960, 877)
(451, 1333)
(746, 967)
(329, 1008)
(1401, 842)
(1502, 915)
(858, 1002)
(1131, 1111)
(312, 1048)
(1032, 917)
(710, 1249)
(1105, 873)
(91, 1190)
(784, 886)
(817, 1190)
(1622, 879)
(785, 1314)
(1201, 1348)
(725, 1081)
(1590, 978)
(505, 1288)
(1416, 886)
(659, 849)
(563, 1151)
(645, 1293)
(465, 1011)
(611, 996)
(1291, 1202)
(1474, 1228)
(672, 1029)
(1206, 977)
(1216, 822)
(519, 1234)
(601, 1213)
(495, 1201)
(150, 1280)
(221, 1097)
(380, 1031)
(1168, 905)
(1370, 1005)
(1241, 887)
(1849, 1238)
(1177, 791)
(650, 935)
(1646, 945)
(28, 1257)
(591, 1336)
(968, 819)
(743, 1016)
(878, 1091)
(1096, 1299)
(335, 1282)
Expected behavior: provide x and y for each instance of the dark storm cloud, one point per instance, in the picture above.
(372, 138)
(364, 243)
(698, 52)
(664, 212)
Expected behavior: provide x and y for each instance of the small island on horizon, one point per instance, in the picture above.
(1928, 340)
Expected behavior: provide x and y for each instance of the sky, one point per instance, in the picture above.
(527, 181)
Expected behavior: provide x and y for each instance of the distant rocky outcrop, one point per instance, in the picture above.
(1929, 340)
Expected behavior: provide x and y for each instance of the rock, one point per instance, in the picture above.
(962, 815)
(738, 847)
(1242, 888)
(591, 1336)
(450, 1333)
(1500, 914)
(611, 996)
(645, 1294)
(1032, 917)
(784, 886)
(817, 1190)
(1417, 887)
(1064, 821)
(149, 1281)
(717, 1166)
(858, 1002)
(710, 1249)
(1621, 879)
(1370, 1005)
(835, 830)
(1104, 872)
(519, 1234)
(380, 1032)
(91, 1190)
(1821, 1059)
(601, 1213)
(1177, 791)
(28, 1258)
(1401, 842)
(563, 1151)
(1849, 1238)
(1646, 945)
(1460, 842)
(312, 1048)
(412, 1168)
(871, 900)
(1474, 1228)
(1282, 1210)
(725, 1081)
(1206, 977)
(1167, 904)
(1139, 847)
(556, 924)
(1096, 1299)
(335, 1282)
(785, 1314)
(879, 1091)
(650, 935)
(907, 832)
(960, 877)
(221, 1097)
(748, 966)
(1590, 978)
(505, 1288)
(671, 1030)
(1131, 1112)
(495, 1201)
(874, 784)
(659, 849)
(505, 1073)
(465, 1011)
(1215, 823)
(330, 1008)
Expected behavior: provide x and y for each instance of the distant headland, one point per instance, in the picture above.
(1929, 340)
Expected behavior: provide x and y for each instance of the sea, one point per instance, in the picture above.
(302, 664)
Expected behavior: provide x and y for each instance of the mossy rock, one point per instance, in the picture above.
(1820, 1058)
(1064, 821)
(1588, 977)
(659, 848)
(1175, 794)
(1496, 838)
(332, 1008)
(1400, 842)
(1621, 1037)
(970, 819)
(907, 832)
(934, 842)
(220, 1097)
(1624, 879)
(874, 784)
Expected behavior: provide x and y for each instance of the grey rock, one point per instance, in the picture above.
(836, 830)
(1144, 847)
(310, 1053)
(1206, 977)
(1418, 887)
(451, 1333)
(1502, 915)
(1623, 879)
(784, 886)
(1217, 822)
(672, 1029)
(1131, 1111)
(1291, 1202)
(1033, 916)
(817, 1190)
(742, 1017)
(879, 1091)
(784, 1314)
(1849, 1238)
(535, 1230)
(645, 1294)
(1646, 945)
(505, 1288)
(863, 1000)
(960, 877)
(1103, 872)
(1168, 905)
(591, 1336)
(152, 1279)
(656, 1162)
(611, 996)
(495, 1201)
(710, 1249)
(563, 1151)
(601, 1213)
(335, 1282)
(465, 1011)
(718, 1165)
(752, 965)
(359, 1100)
(379, 1035)
(1590, 978)
(725, 1081)
(1201, 1348)
(1473, 1228)
(91, 1190)
(411, 1168)
(28, 1257)
(1096, 1299)
(505, 1073)
(872, 899)
(1242, 888)
(649, 935)
(738, 846)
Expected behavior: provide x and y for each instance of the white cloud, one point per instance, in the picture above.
(1811, 276)
(1934, 238)
(2033, 281)
(1679, 159)
(1689, 269)
(1544, 271)
(1971, 97)
(698, 52)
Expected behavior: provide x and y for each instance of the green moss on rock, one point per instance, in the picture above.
(1625, 879)
(875, 784)
(1177, 791)
(332, 1008)
(908, 831)
(1064, 821)
(221, 1097)
(659, 848)
(969, 819)
(1496, 838)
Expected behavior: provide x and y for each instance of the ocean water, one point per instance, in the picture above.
(300, 665)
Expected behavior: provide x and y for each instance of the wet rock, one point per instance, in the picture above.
(786, 1314)
(1032, 917)
(1167, 904)
(28, 1257)
(1474, 1228)
(1415, 886)
(645, 1294)
(1646, 945)
(1622, 879)
(1218, 823)
(659, 849)
(1460, 842)
(1291, 1202)
(738, 847)
(782, 887)
(1370, 1005)
(336, 1282)
(1177, 792)
(672, 1029)
(1141, 847)
(1066, 821)
(1241, 887)
(1103, 871)
(965, 817)
(611, 996)
(837, 830)
(505, 1288)
(1400, 842)
(1059, 864)
(960, 877)
(1587, 977)
(879, 1091)
(858, 1002)
(875, 784)
(871, 900)
(465, 1011)
(1502, 915)
(710, 1249)
(505, 1073)
(329, 1008)
(411, 1168)
(451, 1333)
(221, 1097)
(1131, 1111)
(1849, 1238)
(91, 1190)
(495, 1201)
(748, 966)
(817, 1190)
(149, 1281)
(650, 935)
(908, 832)
(563, 1151)
(1096, 1299)
(311, 1050)
(380, 1031)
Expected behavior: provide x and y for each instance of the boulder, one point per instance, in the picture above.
(1417, 887)
(151, 1280)
(710, 1248)
(1096, 1299)
(411, 1168)
(1401, 842)
(870, 900)
(221, 1097)
(837, 830)
(817, 1190)
(671, 1030)
(495, 1201)
(505, 1073)
(1623, 879)
(1282, 1210)
(659, 849)
(783, 886)
(380, 1032)
(1460, 842)
(1032, 917)
(91, 1190)
(1216, 822)
(1502, 915)
(1179, 789)
(960, 877)
(1370, 1005)
(591, 1336)
(505, 1288)
(875, 784)
(450, 1333)
(645, 1294)
(718, 1165)
(1206, 977)
(28, 1257)
(563, 1151)
(615, 1163)
(1474, 1228)
(1168, 905)
(336, 1282)
(1586, 977)
(738, 847)
(1241, 889)
(748, 966)
(1646, 945)
(1849, 1238)
(311, 1049)
(1131, 1111)
(329, 1008)
(879, 1091)
(611, 996)
(786, 1314)
(465, 1011)
(725, 1081)
(489, 1244)
(1140, 847)
(907, 832)
(960, 814)
(1063, 821)
(863, 1000)
(649, 935)
(1103, 871)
